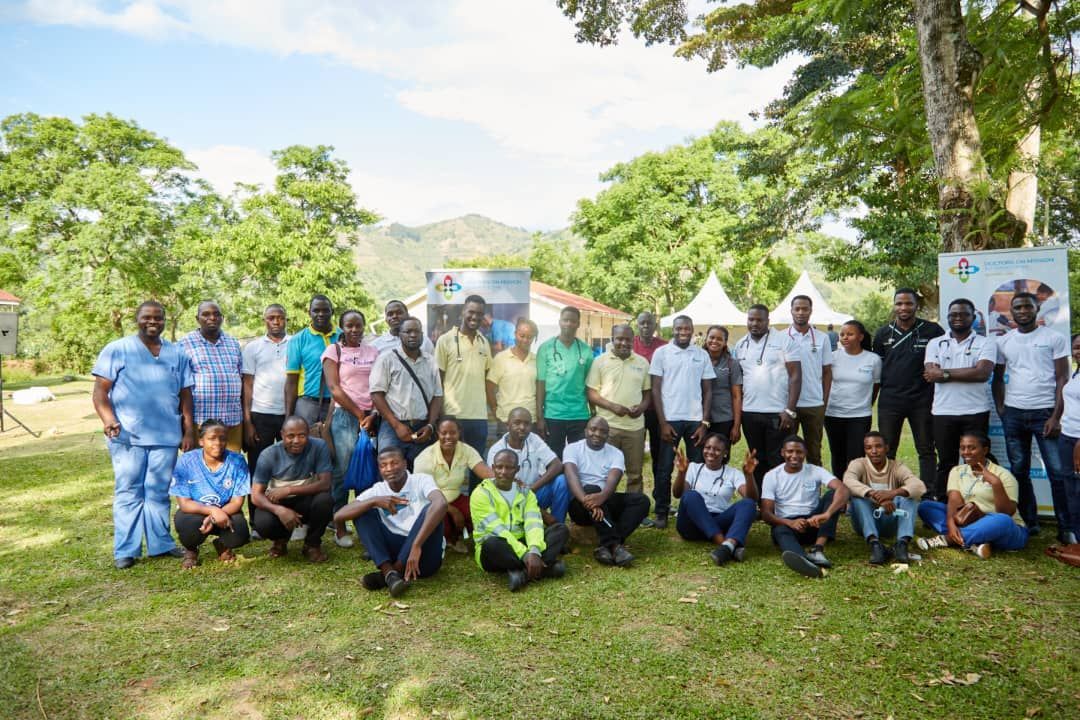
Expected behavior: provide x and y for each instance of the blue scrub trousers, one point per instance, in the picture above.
(555, 497)
(141, 499)
(696, 522)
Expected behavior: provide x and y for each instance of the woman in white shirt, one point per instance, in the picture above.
(856, 379)
(1069, 447)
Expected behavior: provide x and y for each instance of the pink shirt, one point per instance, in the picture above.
(354, 370)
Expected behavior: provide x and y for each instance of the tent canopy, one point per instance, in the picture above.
(822, 315)
(711, 306)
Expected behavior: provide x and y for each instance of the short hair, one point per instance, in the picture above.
(505, 451)
(907, 291)
(964, 301)
(875, 434)
(526, 321)
(717, 436)
(721, 328)
(320, 297)
(275, 306)
(802, 297)
(448, 419)
(211, 424)
(208, 301)
(517, 410)
(621, 326)
(394, 302)
(475, 299)
(681, 318)
(1033, 297)
(978, 436)
(757, 306)
(341, 317)
(407, 318)
(391, 450)
(571, 309)
(296, 418)
(149, 303)
(794, 438)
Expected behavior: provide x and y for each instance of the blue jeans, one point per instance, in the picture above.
(555, 496)
(386, 547)
(389, 438)
(662, 482)
(888, 525)
(344, 428)
(1020, 427)
(141, 499)
(1070, 479)
(695, 522)
(998, 529)
(474, 434)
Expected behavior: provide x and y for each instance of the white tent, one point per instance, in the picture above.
(822, 315)
(711, 306)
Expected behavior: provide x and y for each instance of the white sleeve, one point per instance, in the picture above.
(876, 359)
(656, 367)
(1060, 346)
(768, 486)
(570, 454)
(932, 354)
(544, 453)
(826, 352)
(989, 350)
(247, 357)
(617, 459)
(791, 351)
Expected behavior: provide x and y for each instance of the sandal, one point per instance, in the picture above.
(279, 548)
(225, 555)
(314, 553)
(191, 559)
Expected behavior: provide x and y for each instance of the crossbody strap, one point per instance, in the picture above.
(412, 374)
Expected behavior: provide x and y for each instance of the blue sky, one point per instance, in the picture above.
(440, 108)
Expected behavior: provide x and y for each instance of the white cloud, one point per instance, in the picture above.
(225, 165)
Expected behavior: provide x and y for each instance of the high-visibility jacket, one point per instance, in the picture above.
(520, 525)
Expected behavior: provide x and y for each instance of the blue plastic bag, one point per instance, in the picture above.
(363, 471)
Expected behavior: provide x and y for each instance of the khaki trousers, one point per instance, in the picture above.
(632, 444)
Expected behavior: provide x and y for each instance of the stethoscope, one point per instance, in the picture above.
(556, 355)
(718, 478)
(813, 339)
(457, 341)
(764, 344)
(946, 340)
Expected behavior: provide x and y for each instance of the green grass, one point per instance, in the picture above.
(283, 639)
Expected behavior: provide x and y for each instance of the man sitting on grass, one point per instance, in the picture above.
(593, 470)
(791, 501)
(539, 468)
(291, 487)
(400, 520)
(510, 534)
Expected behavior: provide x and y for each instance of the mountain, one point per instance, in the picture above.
(392, 259)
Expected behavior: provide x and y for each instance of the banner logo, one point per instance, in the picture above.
(448, 287)
(963, 270)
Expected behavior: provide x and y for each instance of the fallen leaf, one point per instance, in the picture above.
(1032, 712)
(466, 633)
(349, 657)
(575, 612)
(918, 697)
(221, 628)
(400, 605)
(548, 681)
(378, 648)
(514, 625)
(553, 631)
(688, 600)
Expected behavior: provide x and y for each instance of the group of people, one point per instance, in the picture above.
(571, 427)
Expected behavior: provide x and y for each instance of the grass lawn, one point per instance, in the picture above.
(674, 636)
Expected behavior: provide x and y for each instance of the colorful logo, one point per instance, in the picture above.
(448, 287)
(964, 270)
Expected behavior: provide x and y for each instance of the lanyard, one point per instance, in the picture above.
(813, 339)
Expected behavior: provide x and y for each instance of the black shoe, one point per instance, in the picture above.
(660, 523)
(124, 563)
(801, 564)
(516, 579)
(621, 556)
(878, 553)
(555, 570)
(174, 553)
(373, 581)
(396, 583)
(817, 556)
(721, 554)
(603, 555)
(900, 549)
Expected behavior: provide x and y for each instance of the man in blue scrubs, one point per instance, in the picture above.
(142, 393)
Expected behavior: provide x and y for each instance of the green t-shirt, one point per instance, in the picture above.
(563, 370)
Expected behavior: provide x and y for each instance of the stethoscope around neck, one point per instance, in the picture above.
(745, 342)
(813, 338)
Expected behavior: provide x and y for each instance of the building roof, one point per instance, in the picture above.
(562, 297)
(6, 297)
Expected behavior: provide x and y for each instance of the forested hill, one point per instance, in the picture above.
(392, 258)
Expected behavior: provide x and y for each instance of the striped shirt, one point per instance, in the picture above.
(217, 368)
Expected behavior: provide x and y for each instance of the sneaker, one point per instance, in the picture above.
(124, 563)
(344, 541)
(395, 583)
(740, 553)
(817, 556)
(878, 553)
(981, 550)
(1068, 537)
(900, 550)
(300, 533)
(255, 534)
(516, 579)
(622, 556)
(938, 541)
(660, 523)
(373, 581)
(721, 554)
(459, 547)
(801, 564)
(603, 555)
(555, 570)
(648, 523)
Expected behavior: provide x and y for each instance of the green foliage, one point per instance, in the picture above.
(555, 261)
(874, 311)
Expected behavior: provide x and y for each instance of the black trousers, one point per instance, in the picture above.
(845, 441)
(624, 511)
(563, 432)
(497, 556)
(891, 422)
(947, 432)
(762, 433)
(316, 511)
(187, 528)
(652, 426)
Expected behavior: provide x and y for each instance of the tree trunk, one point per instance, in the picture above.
(969, 217)
(1022, 192)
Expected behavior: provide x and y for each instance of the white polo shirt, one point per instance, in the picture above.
(533, 457)
(593, 465)
(961, 398)
(1070, 419)
(853, 380)
(1029, 364)
(416, 489)
(716, 487)
(765, 378)
(682, 370)
(815, 352)
(795, 495)
(264, 360)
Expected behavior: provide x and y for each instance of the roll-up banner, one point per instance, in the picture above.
(990, 279)
(505, 292)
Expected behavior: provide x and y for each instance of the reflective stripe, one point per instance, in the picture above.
(533, 515)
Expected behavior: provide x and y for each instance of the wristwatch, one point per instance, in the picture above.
(707, 424)
(945, 375)
(791, 413)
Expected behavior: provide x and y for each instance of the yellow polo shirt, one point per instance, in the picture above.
(515, 383)
(451, 478)
(465, 363)
(620, 381)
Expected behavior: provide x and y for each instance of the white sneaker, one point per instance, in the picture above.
(299, 533)
(981, 550)
(344, 541)
(938, 541)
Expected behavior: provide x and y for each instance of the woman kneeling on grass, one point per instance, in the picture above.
(210, 485)
(981, 511)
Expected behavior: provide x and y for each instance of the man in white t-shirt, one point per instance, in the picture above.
(262, 393)
(539, 468)
(1032, 368)
(815, 360)
(792, 502)
(593, 470)
(772, 383)
(400, 522)
(681, 375)
(958, 364)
